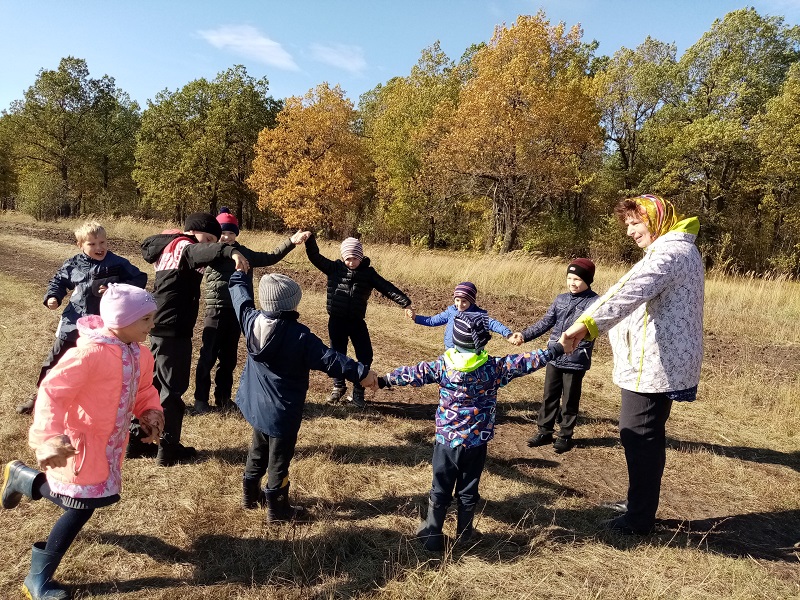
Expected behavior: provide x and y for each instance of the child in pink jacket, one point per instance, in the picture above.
(80, 426)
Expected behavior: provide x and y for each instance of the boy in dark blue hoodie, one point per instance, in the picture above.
(281, 352)
(564, 377)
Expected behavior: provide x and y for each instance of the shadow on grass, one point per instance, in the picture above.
(348, 560)
(773, 536)
(757, 455)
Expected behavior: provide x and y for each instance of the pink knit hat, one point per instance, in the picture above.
(123, 304)
(352, 248)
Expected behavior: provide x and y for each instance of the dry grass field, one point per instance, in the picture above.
(730, 510)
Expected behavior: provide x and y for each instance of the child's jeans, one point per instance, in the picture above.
(340, 330)
(270, 456)
(458, 468)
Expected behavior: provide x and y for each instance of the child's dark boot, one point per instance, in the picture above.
(358, 398)
(252, 494)
(336, 395)
(39, 584)
(465, 531)
(18, 481)
(170, 455)
(278, 508)
(563, 444)
(225, 405)
(201, 407)
(430, 530)
(26, 408)
(542, 438)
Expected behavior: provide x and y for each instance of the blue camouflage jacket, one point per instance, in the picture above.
(468, 385)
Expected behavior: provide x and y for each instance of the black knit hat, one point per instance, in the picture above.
(583, 268)
(470, 332)
(204, 222)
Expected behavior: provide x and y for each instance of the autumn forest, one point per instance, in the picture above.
(523, 143)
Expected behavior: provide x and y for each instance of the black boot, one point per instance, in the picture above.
(170, 455)
(252, 494)
(201, 407)
(170, 450)
(278, 508)
(358, 398)
(136, 447)
(39, 584)
(430, 530)
(465, 531)
(26, 408)
(19, 481)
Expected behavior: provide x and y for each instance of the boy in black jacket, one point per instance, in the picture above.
(564, 375)
(178, 258)
(220, 342)
(281, 352)
(350, 283)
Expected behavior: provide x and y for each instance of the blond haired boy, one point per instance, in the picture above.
(87, 275)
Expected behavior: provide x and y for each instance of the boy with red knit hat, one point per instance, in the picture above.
(350, 284)
(564, 376)
(221, 332)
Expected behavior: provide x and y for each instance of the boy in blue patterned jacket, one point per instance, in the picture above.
(468, 381)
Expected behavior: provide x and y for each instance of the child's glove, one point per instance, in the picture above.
(55, 452)
(152, 423)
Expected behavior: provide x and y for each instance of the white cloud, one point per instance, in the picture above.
(248, 41)
(341, 56)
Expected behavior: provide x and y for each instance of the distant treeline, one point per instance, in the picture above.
(526, 142)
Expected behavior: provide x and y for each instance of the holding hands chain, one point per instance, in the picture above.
(300, 237)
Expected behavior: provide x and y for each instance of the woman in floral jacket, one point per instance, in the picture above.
(654, 319)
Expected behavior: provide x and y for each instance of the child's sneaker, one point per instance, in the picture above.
(358, 398)
(336, 395)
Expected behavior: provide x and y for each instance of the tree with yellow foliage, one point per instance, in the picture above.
(526, 124)
(312, 169)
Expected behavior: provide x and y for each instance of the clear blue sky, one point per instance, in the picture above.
(150, 45)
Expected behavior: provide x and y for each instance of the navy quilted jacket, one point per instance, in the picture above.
(84, 276)
(566, 308)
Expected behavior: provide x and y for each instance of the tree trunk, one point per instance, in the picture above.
(431, 232)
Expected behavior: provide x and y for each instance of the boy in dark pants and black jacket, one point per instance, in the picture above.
(220, 328)
(281, 352)
(178, 258)
(469, 380)
(350, 283)
(563, 377)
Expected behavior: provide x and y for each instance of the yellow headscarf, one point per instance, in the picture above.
(661, 215)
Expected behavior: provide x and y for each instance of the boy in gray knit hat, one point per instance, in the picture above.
(281, 352)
